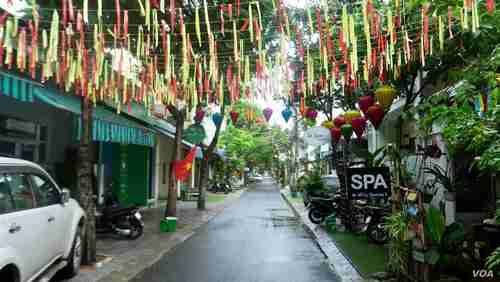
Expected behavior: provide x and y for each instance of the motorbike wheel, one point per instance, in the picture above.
(136, 228)
(377, 233)
(316, 216)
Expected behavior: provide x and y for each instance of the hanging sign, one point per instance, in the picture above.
(369, 182)
(317, 136)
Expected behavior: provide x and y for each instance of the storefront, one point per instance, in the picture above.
(42, 125)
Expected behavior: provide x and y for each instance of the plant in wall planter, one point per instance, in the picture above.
(444, 243)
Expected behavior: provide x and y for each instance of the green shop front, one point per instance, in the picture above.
(122, 150)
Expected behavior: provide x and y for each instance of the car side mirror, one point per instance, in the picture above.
(65, 196)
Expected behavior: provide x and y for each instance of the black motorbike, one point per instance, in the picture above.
(222, 187)
(123, 221)
(375, 221)
(320, 208)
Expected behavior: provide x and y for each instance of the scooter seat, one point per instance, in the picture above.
(116, 211)
(361, 202)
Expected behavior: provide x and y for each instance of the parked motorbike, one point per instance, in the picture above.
(123, 221)
(375, 225)
(222, 187)
(320, 208)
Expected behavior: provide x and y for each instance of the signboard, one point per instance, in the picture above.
(369, 182)
(317, 136)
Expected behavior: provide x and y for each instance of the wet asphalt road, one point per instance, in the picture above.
(257, 239)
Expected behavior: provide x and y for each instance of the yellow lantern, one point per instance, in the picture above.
(350, 115)
(385, 96)
(328, 124)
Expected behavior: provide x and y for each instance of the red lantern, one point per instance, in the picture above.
(365, 102)
(375, 114)
(336, 134)
(359, 126)
(234, 116)
(339, 121)
(200, 114)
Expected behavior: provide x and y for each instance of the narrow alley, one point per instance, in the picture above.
(256, 239)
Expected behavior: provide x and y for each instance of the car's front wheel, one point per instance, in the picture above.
(75, 257)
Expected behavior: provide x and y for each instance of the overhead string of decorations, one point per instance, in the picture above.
(120, 63)
(105, 61)
(365, 41)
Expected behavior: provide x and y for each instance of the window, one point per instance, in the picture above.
(28, 152)
(6, 201)
(20, 191)
(46, 193)
(7, 148)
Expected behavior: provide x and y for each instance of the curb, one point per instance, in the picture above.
(339, 264)
(182, 236)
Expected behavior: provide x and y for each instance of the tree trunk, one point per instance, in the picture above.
(172, 187)
(202, 189)
(205, 163)
(84, 183)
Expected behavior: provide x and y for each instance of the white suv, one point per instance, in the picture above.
(40, 226)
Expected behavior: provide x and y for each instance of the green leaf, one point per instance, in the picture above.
(435, 225)
(432, 256)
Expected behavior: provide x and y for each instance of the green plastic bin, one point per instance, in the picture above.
(168, 224)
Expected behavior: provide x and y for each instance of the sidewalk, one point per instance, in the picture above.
(338, 262)
(127, 259)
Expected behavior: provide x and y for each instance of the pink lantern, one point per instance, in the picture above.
(311, 114)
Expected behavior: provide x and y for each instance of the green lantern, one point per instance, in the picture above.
(346, 130)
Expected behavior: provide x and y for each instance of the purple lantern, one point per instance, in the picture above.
(268, 112)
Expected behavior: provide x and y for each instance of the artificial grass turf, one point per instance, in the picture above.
(367, 258)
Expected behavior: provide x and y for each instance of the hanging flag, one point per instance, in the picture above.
(182, 168)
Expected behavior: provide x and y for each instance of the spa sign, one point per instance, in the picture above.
(369, 182)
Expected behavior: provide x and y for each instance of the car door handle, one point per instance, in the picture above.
(51, 218)
(14, 228)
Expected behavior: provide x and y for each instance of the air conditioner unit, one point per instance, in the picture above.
(19, 126)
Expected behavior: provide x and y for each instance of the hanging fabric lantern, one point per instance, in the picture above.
(339, 121)
(198, 117)
(350, 115)
(287, 114)
(268, 112)
(365, 102)
(359, 126)
(328, 124)
(375, 115)
(336, 134)
(346, 130)
(234, 116)
(311, 114)
(385, 96)
(217, 119)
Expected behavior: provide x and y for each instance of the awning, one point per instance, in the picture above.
(16, 87)
(161, 126)
(108, 126)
